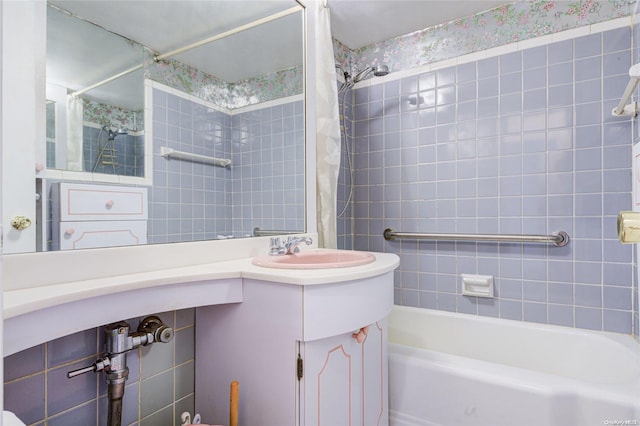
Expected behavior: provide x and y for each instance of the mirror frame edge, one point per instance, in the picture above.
(309, 16)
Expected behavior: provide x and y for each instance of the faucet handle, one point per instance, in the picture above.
(74, 373)
(276, 247)
(97, 366)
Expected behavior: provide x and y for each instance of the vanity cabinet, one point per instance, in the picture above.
(292, 349)
(91, 216)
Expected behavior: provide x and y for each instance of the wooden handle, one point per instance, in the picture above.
(233, 406)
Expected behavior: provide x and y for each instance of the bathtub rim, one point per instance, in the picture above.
(627, 340)
(628, 393)
(589, 356)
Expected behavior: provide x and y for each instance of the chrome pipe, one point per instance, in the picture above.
(118, 342)
(115, 395)
(628, 92)
(623, 108)
(559, 238)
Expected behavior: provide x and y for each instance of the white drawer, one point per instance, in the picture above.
(80, 202)
(81, 235)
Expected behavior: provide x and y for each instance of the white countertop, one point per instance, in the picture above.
(76, 290)
(23, 301)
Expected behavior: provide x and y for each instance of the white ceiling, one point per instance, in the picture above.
(358, 23)
(166, 25)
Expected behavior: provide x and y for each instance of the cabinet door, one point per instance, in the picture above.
(375, 374)
(345, 381)
(81, 235)
(332, 372)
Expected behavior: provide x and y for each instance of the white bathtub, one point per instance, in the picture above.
(458, 369)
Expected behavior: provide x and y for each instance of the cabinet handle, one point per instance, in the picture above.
(69, 231)
(361, 334)
(109, 204)
(20, 223)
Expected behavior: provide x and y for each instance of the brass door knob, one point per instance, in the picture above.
(20, 222)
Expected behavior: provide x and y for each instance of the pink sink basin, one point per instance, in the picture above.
(316, 259)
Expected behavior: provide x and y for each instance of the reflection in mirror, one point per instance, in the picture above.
(51, 133)
(237, 98)
(90, 122)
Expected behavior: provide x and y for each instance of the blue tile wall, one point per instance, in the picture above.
(37, 389)
(523, 142)
(264, 187)
(188, 200)
(268, 176)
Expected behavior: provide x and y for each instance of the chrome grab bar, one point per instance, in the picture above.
(559, 238)
(257, 232)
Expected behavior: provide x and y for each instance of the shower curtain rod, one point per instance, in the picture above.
(107, 80)
(225, 34)
(183, 49)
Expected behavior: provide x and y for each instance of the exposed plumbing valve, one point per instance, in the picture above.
(114, 364)
(156, 330)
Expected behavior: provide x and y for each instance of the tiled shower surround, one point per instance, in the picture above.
(264, 187)
(126, 149)
(160, 385)
(518, 142)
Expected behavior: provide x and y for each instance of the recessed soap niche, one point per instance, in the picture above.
(477, 285)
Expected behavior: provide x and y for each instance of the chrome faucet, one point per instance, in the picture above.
(290, 246)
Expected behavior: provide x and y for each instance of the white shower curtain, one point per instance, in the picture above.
(74, 133)
(327, 132)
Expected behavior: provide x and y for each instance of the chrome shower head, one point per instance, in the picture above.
(113, 134)
(378, 70)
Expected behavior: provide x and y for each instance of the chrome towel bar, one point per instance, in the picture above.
(559, 238)
(188, 156)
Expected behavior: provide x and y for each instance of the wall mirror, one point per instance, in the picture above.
(128, 82)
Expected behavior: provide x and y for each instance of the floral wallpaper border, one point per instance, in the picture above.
(510, 23)
(264, 88)
(112, 116)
